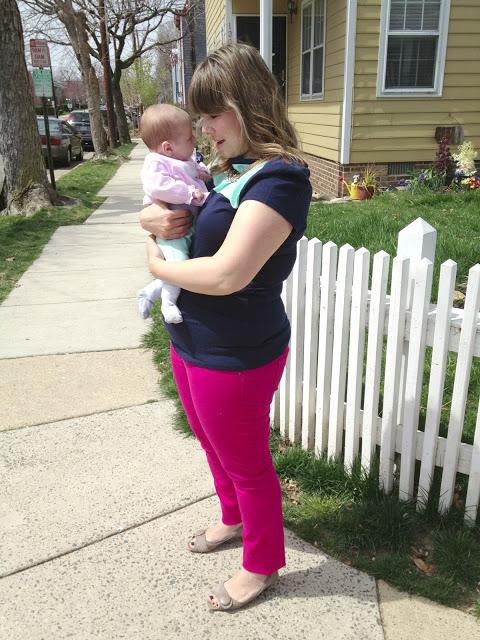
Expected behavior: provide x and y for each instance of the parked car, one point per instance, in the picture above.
(80, 120)
(65, 142)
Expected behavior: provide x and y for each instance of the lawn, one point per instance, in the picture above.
(375, 224)
(346, 514)
(22, 239)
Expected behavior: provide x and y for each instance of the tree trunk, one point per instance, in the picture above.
(76, 25)
(122, 123)
(25, 187)
(191, 31)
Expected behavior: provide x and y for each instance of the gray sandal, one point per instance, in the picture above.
(227, 603)
(199, 543)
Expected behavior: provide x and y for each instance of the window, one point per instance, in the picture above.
(53, 126)
(313, 48)
(400, 168)
(413, 46)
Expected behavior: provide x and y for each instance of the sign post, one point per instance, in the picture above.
(42, 85)
(40, 55)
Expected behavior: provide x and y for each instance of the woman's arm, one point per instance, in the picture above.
(164, 223)
(257, 231)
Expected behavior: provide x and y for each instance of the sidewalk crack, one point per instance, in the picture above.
(102, 539)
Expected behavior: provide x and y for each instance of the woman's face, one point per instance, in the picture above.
(224, 131)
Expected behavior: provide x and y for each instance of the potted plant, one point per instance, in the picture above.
(369, 182)
(363, 186)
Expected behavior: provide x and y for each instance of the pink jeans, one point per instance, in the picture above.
(229, 412)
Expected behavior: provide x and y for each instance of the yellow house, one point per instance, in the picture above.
(366, 82)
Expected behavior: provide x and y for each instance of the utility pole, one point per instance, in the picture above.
(107, 81)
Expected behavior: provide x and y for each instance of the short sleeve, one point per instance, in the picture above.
(286, 188)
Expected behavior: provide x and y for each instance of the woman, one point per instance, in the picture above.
(229, 352)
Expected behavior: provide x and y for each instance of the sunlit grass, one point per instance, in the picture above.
(22, 239)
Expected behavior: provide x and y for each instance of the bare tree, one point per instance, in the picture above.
(25, 187)
(74, 20)
(133, 27)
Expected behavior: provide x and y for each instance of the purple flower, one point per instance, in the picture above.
(402, 182)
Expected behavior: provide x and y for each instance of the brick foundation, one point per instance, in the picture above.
(325, 174)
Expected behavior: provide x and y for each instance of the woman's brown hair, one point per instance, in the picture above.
(235, 78)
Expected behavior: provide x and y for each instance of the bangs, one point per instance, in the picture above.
(206, 93)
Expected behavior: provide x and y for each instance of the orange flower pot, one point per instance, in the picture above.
(358, 192)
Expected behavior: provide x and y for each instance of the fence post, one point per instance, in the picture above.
(284, 388)
(297, 321)
(416, 241)
(310, 359)
(414, 375)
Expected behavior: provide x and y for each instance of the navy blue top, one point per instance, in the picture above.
(248, 328)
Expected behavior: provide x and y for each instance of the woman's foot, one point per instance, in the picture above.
(242, 588)
(216, 535)
(219, 531)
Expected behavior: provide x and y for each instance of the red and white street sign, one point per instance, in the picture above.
(40, 53)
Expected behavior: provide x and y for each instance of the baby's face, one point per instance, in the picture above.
(184, 142)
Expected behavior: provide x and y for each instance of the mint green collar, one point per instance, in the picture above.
(231, 190)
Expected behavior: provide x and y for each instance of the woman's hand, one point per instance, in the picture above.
(164, 223)
(153, 250)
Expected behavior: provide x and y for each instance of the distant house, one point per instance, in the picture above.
(191, 50)
(74, 92)
(367, 82)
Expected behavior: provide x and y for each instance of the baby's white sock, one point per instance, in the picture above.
(147, 296)
(170, 311)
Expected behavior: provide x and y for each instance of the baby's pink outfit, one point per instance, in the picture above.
(172, 181)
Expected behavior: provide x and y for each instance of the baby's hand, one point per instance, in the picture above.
(197, 197)
(204, 176)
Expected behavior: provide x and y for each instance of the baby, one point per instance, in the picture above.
(171, 174)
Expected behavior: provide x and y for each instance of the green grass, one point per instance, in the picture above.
(348, 516)
(157, 339)
(22, 239)
(375, 224)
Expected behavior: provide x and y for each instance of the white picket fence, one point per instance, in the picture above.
(334, 318)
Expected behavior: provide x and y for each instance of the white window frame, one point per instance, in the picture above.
(320, 95)
(403, 92)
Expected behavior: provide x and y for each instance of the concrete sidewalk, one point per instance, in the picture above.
(99, 494)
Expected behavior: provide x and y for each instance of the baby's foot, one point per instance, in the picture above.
(144, 305)
(147, 296)
(172, 314)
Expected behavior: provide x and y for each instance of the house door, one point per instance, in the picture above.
(248, 31)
